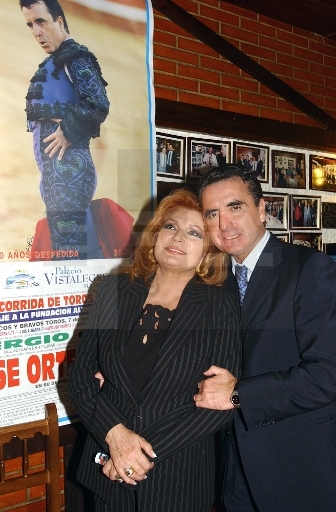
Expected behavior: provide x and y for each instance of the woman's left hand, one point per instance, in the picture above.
(128, 453)
(110, 471)
(57, 143)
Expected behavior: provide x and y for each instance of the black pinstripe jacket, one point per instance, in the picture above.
(204, 331)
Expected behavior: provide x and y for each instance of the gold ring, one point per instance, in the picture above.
(119, 480)
(129, 471)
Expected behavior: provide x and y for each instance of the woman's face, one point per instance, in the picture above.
(180, 242)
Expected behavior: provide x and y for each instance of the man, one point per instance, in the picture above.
(247, 162)
(162, 160)
(221, 156)
(260, 167)
(66, 104)
(306, 214)
(254, 164)
(171, 160)
(210, 159)
(282, 448)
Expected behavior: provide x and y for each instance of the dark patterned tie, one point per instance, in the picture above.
(241, 276)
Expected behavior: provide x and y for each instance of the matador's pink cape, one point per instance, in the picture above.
(114, 230)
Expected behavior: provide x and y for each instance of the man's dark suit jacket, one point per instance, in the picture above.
(286, 428)
(204, 331)
(172, 167)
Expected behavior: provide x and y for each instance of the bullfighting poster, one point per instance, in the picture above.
(77, 131)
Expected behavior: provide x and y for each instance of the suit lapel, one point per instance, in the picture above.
(188, 316)
(262, 282)
(129, 310)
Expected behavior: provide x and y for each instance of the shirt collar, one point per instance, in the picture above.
(251, 259)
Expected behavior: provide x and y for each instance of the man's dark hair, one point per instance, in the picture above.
(53, 7)
(228, 172)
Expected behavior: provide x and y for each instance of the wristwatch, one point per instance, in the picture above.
(234, 398)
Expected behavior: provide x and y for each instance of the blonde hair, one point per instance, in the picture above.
(212, 269)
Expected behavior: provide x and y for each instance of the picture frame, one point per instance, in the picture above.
(305, 212)
(328, 215)
(311, 240)
(276, 207)
(170, 155)
(322, 173)
(330, 248)
(205, 154)
(253, 158)
(288, 169)
(284, 237)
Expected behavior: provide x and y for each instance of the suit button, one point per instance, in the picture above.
(133, 406)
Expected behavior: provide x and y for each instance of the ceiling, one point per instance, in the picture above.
(318, 16)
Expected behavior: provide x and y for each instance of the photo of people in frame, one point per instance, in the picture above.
(170, 155)
(276, 207)
(322, 173)
(204, 155)
(253, 158)
(288, 170)
(311, 240)
(305, 212)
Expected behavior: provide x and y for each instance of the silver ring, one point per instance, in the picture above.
(129, 471)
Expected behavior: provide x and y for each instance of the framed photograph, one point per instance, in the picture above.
(284, 237)
(305, 212)
(288, 169)
(205, 154)
(322, 173)
(331, 250)
(276, 206)
(329, 215)
(170, 155)
(312, 240)
(254, 158)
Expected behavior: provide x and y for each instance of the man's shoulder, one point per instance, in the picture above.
(294, 255)
(69, 51)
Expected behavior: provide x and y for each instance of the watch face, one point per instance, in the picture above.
(235, 398)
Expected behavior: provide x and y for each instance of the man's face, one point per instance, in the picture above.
(47, 32)
(234, 222)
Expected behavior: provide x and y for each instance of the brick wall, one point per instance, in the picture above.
(186, 70)
(33, 499)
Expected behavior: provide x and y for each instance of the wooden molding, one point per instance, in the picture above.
(184, 116)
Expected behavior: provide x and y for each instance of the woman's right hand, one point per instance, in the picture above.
(127, 451)
(110, 471)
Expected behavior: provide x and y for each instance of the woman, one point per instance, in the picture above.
(151, 334)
